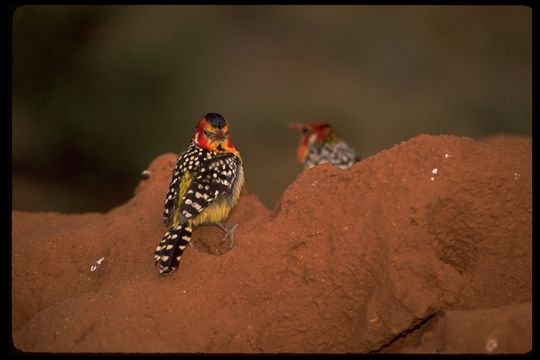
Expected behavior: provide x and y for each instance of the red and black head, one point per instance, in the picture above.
(212, 133)
(311, 133)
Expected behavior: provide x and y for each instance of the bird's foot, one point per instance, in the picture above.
(229, 233)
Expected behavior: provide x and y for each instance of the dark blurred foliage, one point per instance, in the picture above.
(100, 91)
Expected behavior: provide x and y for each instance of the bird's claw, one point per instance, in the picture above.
(229, 233)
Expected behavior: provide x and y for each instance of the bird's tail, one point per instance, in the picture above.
(170, 249)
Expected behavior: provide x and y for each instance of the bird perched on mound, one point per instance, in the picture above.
(319, 144)
(205, 185)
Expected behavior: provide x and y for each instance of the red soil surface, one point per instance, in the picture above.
(388, 256)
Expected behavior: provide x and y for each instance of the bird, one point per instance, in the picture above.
(319, 144)
(205, 185)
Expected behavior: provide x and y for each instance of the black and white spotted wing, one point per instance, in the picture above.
(213, 181)
(190, 159)
(339, 154)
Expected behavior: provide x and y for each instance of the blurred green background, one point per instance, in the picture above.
(100, 91)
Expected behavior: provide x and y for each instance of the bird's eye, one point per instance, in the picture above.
(304, 130)
(207, 133)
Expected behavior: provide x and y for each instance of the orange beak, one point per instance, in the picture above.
(296, 126)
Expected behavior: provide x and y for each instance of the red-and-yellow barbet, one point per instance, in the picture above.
(205, 186)
(319, 144)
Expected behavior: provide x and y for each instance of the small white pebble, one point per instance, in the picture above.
(516, 176)
(434, 171)
(491, 345)
(145, 174)
(95, 265)
(447, 156)
(432, 178)
(314, 183)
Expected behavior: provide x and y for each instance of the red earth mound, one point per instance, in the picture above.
(392, 255)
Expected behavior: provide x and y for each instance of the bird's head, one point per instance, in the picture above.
(212, 133)
(311, 133)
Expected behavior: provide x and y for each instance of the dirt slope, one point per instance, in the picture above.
(375, 258)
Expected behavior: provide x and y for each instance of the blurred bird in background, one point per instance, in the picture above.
(319, 144)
